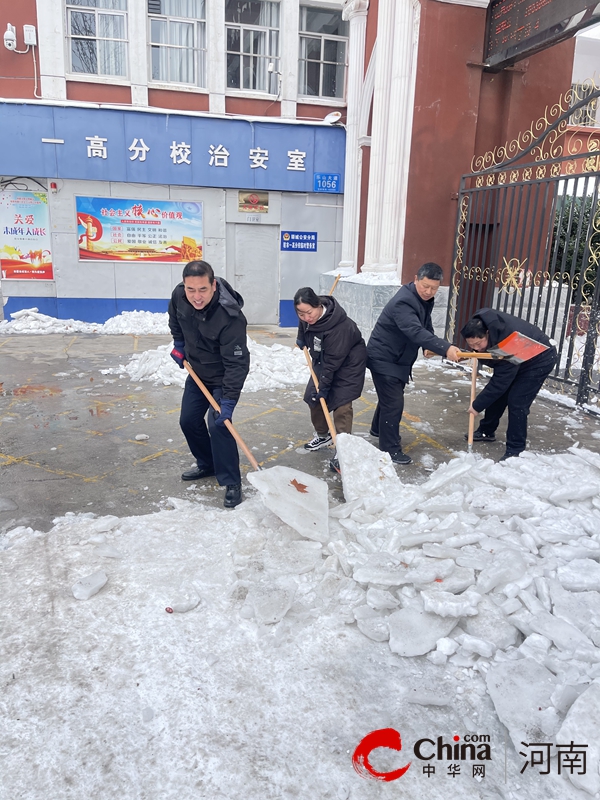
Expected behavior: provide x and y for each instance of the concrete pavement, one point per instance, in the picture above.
(68, 433)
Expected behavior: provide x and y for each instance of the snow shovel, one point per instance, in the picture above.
(516, 348)
(475, 367)
(330, 424)
(300, 500)
(228, 423)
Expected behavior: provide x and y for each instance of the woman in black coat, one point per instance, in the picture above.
(339, 357)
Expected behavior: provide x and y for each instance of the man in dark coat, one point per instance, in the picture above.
(339, 357)
(403, 327)
(512, 385)
(209, 331)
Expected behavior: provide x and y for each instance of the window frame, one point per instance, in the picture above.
(272, 82)
(199, 53)
(97, 11)
(323, 37)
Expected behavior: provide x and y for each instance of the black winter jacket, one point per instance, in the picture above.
(339, 355)
(403, 326)
(215, 337)
(500, 325)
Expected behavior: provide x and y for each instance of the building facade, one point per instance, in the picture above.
(156, 108)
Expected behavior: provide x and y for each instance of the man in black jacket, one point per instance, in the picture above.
(512, 385)
(209, 331)
(403, 326)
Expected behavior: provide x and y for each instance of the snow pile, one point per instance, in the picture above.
(476, 593)
(274, 367)
(374, 278)
(29, 320)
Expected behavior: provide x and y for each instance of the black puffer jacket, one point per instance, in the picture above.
(500, 325)
(339, 355)
(403, 326)
(215, 337)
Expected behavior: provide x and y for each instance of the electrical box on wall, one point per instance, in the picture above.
(29, 34)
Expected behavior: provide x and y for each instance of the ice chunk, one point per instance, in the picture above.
(300, 500)
(414, 633)
(521, 691)
(472, 644)
(271, 602)
(375, 628)
(491, 624)
(389, 570)
(89, 586)
(147, 714)
(107, 551)
(424, 697)
(459, 579)
(581, 726)
(297, 557)
(564, 635)
(507, 566)
(380, 599)
(581, 609)
(250, 541)
(366, 471)
(446, 604)
(103, 524)
(447, 646)
(580, 575)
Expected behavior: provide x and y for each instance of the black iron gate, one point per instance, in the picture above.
(528, 240)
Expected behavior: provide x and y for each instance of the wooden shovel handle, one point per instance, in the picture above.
(335, 283)
(228, 423)
(330, 424)
(477, 355)
(475, 366)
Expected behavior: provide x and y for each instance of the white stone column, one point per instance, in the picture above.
(289, 24)
(137, 26)
(51, 49)
(356, 12)
(393, 105)
(216, 55)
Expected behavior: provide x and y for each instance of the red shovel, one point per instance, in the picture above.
(516, 348)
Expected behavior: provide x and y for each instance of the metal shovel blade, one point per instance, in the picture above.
(518, 348)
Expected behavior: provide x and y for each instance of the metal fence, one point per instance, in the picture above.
(528, 241)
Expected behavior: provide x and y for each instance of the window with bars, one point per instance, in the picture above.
(178, 41)
(97, 36)
(586, 115)
(323, 43)
(252, 29)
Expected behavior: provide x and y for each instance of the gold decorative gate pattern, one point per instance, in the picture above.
(528, 239)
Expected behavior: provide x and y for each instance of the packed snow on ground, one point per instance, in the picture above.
(465, 605)
(271, 367)
(29, 320)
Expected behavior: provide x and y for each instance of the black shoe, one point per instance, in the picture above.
(233, 495)
(373, 434)
(197, 474)
(480, 436)
(334, 466)
(508, 455)
(400, 458)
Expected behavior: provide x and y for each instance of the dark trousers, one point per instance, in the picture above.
(518, 399)
(213, 447)
(390, 405)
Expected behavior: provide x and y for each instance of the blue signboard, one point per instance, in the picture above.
(299, 240)
(97, 144)
(327, 182)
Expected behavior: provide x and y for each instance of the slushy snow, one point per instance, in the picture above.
(437, 610)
